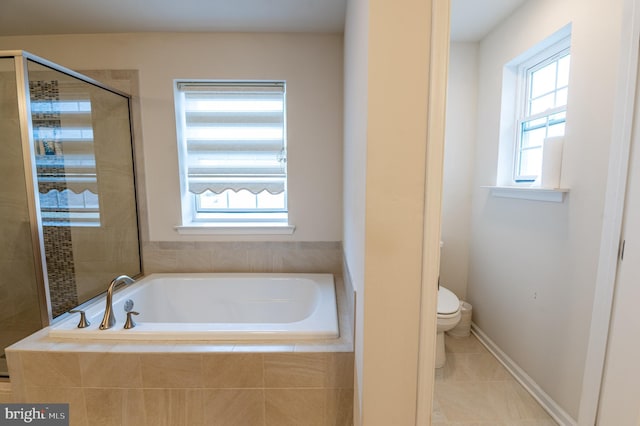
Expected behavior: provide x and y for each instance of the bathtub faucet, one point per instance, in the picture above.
(109, 319)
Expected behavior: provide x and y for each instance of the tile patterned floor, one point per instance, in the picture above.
(473, 388)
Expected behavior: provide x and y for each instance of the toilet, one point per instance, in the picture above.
(448, 317)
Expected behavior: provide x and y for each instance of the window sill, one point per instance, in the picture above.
(235, 229)
(529, 193)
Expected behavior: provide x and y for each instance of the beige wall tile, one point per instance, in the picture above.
(229, 258)
(174, 407)
(156, 260)
(171, 370)
(238, 370)
(338, 407)
(243, 256)
(110, 370)
(50, 369)
(295, 407)
(14, 361)
(72, 396)
(319, 259)
(234, 407)
(295, 370)
(115, 407)
(339, 370)
(6, 397)
(194, 260)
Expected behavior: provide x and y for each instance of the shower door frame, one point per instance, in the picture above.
(21, 59)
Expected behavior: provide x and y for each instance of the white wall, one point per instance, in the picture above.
(459, 151)
(310, 63)
(356, 49)
(533, 264)
(386, 93)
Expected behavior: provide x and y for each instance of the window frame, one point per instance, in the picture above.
(193, 214)
(548, 55)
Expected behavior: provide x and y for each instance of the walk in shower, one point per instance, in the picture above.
(68, 218)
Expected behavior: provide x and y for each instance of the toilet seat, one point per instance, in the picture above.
(447, 316)
(448, 303)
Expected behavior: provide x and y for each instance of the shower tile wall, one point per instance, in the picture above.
(58, 246)
(60, 268)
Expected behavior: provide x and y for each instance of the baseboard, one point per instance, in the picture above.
(549, 405)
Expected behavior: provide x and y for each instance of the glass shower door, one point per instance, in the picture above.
(85, 185)
(68, 217)
(20, 314)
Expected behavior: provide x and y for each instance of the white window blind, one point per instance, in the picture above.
(233, 136)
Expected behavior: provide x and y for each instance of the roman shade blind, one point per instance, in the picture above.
(233, 136)
(63, 137)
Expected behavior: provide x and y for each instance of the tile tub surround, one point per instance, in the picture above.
(191, 383)
(243, 256)
(6, 396)
(188, 389)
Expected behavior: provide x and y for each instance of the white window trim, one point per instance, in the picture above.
(235, 229)
(556, 195)
(506, 187)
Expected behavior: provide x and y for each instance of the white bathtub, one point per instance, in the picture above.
(216, 307)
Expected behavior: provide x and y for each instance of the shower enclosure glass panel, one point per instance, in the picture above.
(20, 313)
(84, 162)
(68, 217)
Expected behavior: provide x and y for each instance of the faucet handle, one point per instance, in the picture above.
(84, 322)
(129, 323)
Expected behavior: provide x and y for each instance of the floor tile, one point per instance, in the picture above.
(473, 388)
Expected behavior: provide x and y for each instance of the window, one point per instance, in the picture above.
(233, 157)
(544, 82)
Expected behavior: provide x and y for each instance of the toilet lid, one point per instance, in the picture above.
(448, 303)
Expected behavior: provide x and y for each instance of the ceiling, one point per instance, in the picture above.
(471, 19)
(22, 17)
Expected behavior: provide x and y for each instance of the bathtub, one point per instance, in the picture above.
(214, 306)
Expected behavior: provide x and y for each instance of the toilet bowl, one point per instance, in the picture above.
(448, 317)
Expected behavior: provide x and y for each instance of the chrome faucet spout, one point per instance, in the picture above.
(109, 318)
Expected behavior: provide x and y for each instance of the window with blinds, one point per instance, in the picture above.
(233, 158)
